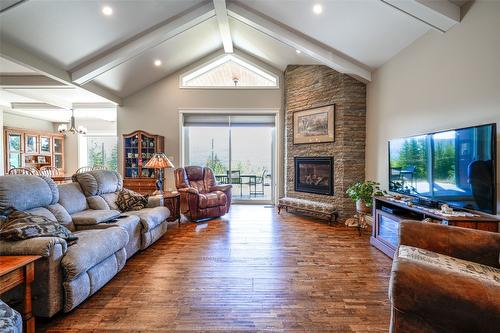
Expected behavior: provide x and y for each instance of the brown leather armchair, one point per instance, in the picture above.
(201, 197)
(445, 279)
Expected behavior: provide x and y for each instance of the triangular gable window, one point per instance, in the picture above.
(229, 71)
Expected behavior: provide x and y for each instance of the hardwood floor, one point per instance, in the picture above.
(252, 270)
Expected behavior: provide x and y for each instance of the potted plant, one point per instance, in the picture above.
(362, 193)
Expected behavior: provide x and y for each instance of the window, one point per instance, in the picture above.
(229, 72)
(99, 151)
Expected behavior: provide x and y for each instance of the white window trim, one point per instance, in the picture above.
(211, 64)
(278, 181)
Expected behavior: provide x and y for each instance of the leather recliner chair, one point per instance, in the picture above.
(201, 197)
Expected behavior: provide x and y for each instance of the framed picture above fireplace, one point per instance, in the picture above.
(314, 175)
(314, 125)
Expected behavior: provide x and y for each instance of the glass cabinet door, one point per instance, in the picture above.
(58, 153)
(45, 145)
(131, 146)
(147, 150)
(14, 148)
(31, 142)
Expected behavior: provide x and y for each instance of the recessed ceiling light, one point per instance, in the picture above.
(157, 62)
(106, 10)
(298, 51)
(317, 9)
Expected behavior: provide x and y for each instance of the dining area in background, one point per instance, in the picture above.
(245, 185)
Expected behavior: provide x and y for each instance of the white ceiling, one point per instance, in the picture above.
(368, 31)
(69, 32)
(69, 36)
(140, 72)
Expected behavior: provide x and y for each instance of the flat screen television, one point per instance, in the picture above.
(456, 167)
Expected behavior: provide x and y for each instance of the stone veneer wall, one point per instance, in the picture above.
(313, 86)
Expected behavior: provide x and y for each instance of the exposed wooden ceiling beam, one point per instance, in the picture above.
(223, 22)
(33, 106)
(46, 100)
(30, 82)
(24, 58)
(440, 15)
(93, 106)
(326, 56)
(108, 60)
(6, 5)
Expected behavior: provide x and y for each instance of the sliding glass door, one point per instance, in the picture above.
(238, 148)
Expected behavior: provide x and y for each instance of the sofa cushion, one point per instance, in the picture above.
(25, 192)
(451, 264)
(97, 202)
(42, 211)
(212, 199)
(110, 199)
(91, 216)
(61, 215)
(99, 182)
(150, 217)
(21, 225)
(92, 248)
(72, 198)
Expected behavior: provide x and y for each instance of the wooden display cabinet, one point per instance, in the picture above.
(138, 148)
(26, 148)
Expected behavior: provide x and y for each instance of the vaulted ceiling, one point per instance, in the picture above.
(106, 50)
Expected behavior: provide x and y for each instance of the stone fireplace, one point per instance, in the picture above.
(312, 86)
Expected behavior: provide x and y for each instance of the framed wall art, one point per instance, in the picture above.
(315, 125)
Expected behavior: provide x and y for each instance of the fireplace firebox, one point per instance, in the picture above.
(314, 175)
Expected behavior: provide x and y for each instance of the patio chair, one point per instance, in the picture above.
(234, 178)
(259, 180)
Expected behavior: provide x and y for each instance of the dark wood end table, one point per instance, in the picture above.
(172, 200)
(16, 270)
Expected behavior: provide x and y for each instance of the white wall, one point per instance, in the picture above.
(441, 81)
(20, 121)
(2, 157)
(155, 109)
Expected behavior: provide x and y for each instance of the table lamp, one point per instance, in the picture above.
(159, 161)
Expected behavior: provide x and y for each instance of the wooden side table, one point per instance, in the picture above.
(15, 270)
(172, 200)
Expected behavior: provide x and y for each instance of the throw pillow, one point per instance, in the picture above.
(128, 200)
(19, 225)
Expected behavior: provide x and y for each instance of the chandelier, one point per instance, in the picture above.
(63, 128)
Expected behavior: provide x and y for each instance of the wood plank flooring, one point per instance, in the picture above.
(252, 270)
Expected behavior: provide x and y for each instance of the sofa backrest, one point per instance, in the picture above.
(71, 197)
(99, 182)
(25, 192)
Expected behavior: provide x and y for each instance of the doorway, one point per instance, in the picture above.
(239, 147)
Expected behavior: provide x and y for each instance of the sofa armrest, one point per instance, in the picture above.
(468, 244)
(444, 298)
(41, 246)
(155, 201)
(222, 188)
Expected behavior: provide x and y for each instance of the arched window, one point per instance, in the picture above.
(229, 71)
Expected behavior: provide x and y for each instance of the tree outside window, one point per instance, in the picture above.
(102, 151)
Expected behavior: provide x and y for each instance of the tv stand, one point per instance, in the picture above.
(386, 221)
